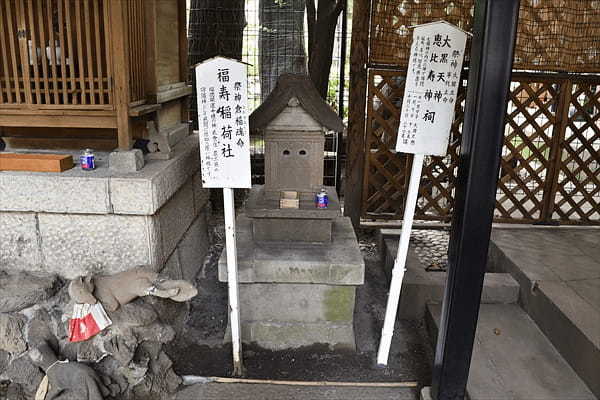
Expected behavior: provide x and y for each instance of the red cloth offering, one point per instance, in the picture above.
(87, 321)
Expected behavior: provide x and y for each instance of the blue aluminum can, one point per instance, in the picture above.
(321, 199)
(87, 160)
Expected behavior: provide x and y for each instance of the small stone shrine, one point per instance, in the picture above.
(298, 265)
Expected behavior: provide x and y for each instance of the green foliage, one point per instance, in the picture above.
(332, 95)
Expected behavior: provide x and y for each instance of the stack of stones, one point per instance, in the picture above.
(128, 356)
(298, 268)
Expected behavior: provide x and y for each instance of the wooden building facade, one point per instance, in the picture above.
(97, 72)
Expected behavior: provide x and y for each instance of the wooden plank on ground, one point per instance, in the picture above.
(35, 162)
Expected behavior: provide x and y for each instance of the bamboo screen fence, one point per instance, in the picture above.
(550, 167)
(553, 35)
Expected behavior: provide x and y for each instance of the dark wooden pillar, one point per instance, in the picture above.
(483, 132)
(120, 57)
(355, 150)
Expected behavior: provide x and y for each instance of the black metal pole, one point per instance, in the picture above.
(490, 69)
(342, 87)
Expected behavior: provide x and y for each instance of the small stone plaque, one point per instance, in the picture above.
(289, 199)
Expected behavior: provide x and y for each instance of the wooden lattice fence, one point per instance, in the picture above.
(549, 171)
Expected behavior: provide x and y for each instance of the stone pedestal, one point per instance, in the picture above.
(298, 290)
(106, 221)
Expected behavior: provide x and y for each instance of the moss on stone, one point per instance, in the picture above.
(339, 303)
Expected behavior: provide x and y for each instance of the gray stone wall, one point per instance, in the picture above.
(81, 222)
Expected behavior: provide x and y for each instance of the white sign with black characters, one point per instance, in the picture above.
(432, 83)
(221, 86)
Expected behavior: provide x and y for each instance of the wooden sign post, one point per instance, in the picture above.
(221, 86)
(432, 83)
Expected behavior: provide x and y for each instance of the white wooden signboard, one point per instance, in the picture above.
(432, 81)
(223, 123)
(222, 96)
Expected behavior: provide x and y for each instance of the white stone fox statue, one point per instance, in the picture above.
(113, 291)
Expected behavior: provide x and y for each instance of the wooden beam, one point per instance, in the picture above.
(355, 151)
(174, 93)
(183, 45)
(143, 109)
(59, 121)
(120, 58)
(151, 50)
(183, 54)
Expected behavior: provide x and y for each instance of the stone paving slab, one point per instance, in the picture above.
(559, 274)
(101, 191)
(512, 359)
(238, 391)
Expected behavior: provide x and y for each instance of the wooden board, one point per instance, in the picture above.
(35, 162)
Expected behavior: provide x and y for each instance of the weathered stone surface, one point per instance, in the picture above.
(242, 391)
(4, 357)
(175, 217)
(75, 245)
(512, 359)
(67, 192)
(559, 279)
(296, 303)
(126, 161)
(257, 206)
(16, 392)
(133, 195)
(23, 372)
(22, 290)
(172, 268)
(157, 332)
(201, 194)
(280, 336)
(146, 191)
(11, 333)
(193, 247)
(19, 241)
(136, 313)
(420, 287)
(291, 230)
(339, 263)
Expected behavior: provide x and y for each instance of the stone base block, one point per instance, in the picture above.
(295, 294)
(146, 217)
(421, 287)
(275, 335)
(297, 303)
(126, 161)
(290, 230)
(280, 316)
(337, 263)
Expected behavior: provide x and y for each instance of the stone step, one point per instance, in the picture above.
(512, 359)
(240, 391)
(420, 287)
(559, 275)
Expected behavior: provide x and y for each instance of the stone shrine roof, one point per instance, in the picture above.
(301, 87)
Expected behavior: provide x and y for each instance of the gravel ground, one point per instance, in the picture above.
(431, 245)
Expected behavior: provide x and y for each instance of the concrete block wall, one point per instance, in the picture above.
(80, 222)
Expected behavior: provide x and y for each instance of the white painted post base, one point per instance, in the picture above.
(232, 281)
(400, 262)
